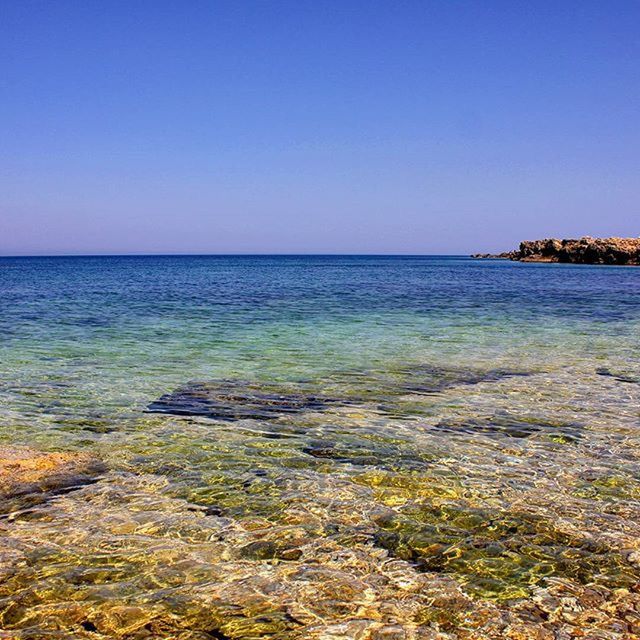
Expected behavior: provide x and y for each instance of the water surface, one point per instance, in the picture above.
(323, 447)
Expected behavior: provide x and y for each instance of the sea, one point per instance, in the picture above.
(384, 447)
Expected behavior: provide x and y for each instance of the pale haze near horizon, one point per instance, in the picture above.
(316, 127)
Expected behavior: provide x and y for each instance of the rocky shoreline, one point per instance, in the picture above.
(585, 250)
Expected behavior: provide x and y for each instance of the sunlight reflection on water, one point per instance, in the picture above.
(304, 447)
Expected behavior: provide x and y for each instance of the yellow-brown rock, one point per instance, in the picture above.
(25, 471)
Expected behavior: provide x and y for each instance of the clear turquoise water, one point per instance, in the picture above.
(481, 427)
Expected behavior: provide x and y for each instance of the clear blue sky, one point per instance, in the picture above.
(149, 126)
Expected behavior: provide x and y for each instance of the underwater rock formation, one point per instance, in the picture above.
(27, 473)
(501, 513)
(231, 400)
(237, 400)
(585, 250)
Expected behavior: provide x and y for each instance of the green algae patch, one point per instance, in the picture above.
(609, 488)
(446, 619)
(498, 554)
(396, 489)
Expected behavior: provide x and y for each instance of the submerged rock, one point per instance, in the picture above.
(620, 377)
(515, 427)
(29, 475)
(238, 400)
(430, 379)
(385, 391)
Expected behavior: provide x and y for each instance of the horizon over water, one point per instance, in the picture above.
(323, 446)
(239, 255)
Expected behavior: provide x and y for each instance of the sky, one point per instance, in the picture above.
(342, 126)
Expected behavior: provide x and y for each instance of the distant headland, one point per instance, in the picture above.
(585, 250)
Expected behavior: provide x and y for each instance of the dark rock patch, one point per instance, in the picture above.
(385, 387)
(603, 371)
(515, 427)
(216, 634)
(382, 457)
(269, 550)
(341, 455)
(429, 379)
(207, 510)
(237, 400)
(232, 400)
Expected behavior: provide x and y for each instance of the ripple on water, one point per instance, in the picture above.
(373, 448)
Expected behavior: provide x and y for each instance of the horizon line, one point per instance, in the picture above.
(223, 255)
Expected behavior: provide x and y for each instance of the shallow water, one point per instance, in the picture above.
(324, 447)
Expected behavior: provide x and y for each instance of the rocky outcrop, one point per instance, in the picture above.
(585, 250)
(506, 255)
